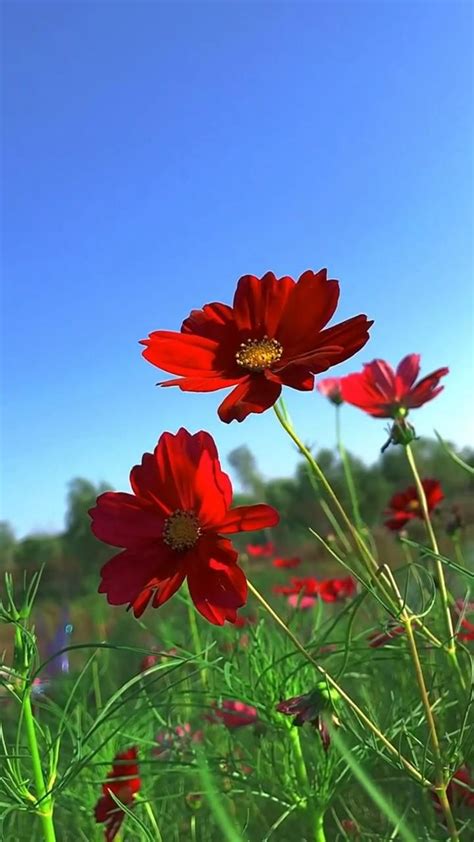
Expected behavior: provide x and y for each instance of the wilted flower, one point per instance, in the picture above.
(124, 783)
(272, 336)
(171, 529)
(405, 505)
(313, 707)
(380, 638)
(330, 388)
(384, 393)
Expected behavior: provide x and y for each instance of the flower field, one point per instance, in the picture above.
(214, 678)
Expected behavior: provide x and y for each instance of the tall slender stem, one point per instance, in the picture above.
(45, 808)
(353, 705)
(196, 638)
(347, 471)
(432, 537)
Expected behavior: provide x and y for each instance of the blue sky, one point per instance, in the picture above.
(155, 152)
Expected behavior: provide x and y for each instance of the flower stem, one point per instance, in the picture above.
(347, 471)
(196, 638)
(451, 648)
(353, 705)
(44, 809)
(319, 834)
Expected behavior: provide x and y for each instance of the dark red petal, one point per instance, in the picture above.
(248, 519)
(331, 346)
(433, 492)
(297, 378)
(216, 584)
(255, 394)
(311, 303)
(167, 587)
(399, 521)
(123, 520)
(408, 370)
(214, 321)
(127, 574)
(186, 354)
(426, 389)
(259, 304)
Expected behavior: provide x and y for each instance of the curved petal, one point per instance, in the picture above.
(254, 394)
(311, 303)
(330, 346)
(123, 520)
(297, 377)
(248, 519)
(126, 576)
(426, 389)
(213, 321)
(188, 354)
(217, 589)
(202, 384)
(408, 370)
(259, 304)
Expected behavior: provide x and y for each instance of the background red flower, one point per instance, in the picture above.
(330, 388)
(235, 714)
(382, 392)
(172, 528)
(287, 563)
(405, 505)
(124, 782)
(274, 335)
(261, 550)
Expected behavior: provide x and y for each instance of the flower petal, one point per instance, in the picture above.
(248, 519)
(122, 520)
(331, 346)
(259, 304)
(254, 394)
(217, 587)
(408, 370)
(311, 303)
(187, 354)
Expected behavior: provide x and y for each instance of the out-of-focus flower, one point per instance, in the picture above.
(460, 790)
(330, 388)
(234, 714)
(314, 707)
(302, 602)
(242, 621)
(287, 563)
(329, 590)
(350, 827)
(384, 393)
(465, 632)
(261, 550)
(405, 505)
(380, 638)
(124, 783)
(272, 336)
(455, 522)
(147, 662)
(172, 527)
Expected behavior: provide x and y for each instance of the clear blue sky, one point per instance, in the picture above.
(154, 152)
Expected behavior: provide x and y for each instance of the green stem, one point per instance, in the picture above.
(353, 705)
(348, 472)
(319, 834)
(96, 685)
(196, 638)
(432, 537)
(44, 809)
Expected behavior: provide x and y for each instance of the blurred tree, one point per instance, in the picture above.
(7, 545)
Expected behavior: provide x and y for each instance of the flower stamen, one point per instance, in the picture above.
(258, 354)
(181, 530)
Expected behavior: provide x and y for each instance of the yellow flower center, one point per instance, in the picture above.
(258, 354)
(414, 505)
(181, 530)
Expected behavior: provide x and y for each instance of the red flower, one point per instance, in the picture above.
(286, 562)
(171, 528)
(148, 661)
(301, 602)
(405, 505)
(124, 783)
(379, 638)
(384, 393)
(330, 388)
(333, 590)
(261, 550)
(235, 714)
(271, 337)
(329, 590)
(241, 621)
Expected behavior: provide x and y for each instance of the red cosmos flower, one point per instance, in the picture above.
(261, 550)
(384, 393)
(235, 714)
(286, 562)
(330, 388)
(272, 336)
(171, 528)
(124, 783)
(405, 505)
